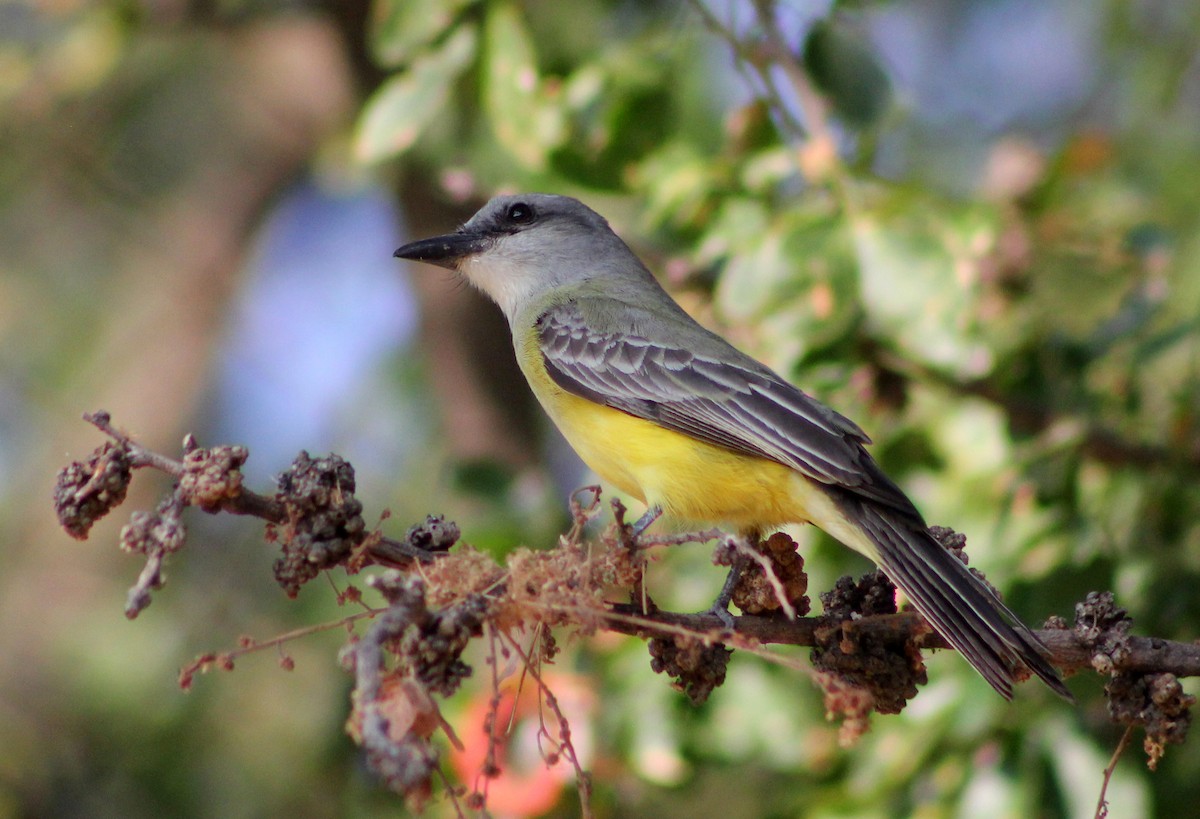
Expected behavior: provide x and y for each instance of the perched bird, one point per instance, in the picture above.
(674, 415)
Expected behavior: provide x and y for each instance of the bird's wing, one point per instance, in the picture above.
(711, 392)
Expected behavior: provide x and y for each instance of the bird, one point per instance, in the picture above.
(674, 415)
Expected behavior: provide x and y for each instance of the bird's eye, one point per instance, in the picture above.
(519, 213)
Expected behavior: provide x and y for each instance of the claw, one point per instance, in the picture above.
(723, 614)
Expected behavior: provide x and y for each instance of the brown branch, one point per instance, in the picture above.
(804, 631)
(1068, 651)
(380, 549)
(1106, 648)
(1102, 802)
(866, 658)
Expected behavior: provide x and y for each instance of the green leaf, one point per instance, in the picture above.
(402, 108)
(677, 182)
(756, 264)
(403, 28)
(791, 275)
(524, 118)
(918, 280)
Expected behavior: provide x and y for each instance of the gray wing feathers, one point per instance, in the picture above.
(718, 395)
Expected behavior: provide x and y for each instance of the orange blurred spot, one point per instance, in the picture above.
(527, 733)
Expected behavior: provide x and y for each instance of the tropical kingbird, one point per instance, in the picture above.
(675, 416)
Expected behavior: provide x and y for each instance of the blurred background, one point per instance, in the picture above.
(970, 226)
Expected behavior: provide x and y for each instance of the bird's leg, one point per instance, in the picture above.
(720, 606)
(639, 595)
(643, 523)
(736, 550)
(629, 536)
(629, 533)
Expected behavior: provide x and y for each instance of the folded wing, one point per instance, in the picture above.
(716, 394)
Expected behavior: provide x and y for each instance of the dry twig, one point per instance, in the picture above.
(867, 655)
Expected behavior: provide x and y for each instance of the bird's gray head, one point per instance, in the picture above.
(519, 247)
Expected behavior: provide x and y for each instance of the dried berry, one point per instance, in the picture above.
(86, 491)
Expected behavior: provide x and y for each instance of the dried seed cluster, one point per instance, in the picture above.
(85, 491)
(697, 668)
(872, 594)
(887, 671)
(432, 647)
(434, 534)
(1157, 703)
(159, 531)
(754, 592)
(891, 672)
(1103, 626)
(211, 476)
(324, 518)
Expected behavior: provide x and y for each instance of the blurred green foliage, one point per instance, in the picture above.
(1020, 337)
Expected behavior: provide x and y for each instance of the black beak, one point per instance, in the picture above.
(444, 251)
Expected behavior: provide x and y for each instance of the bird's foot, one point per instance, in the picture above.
(723, 614)
(629, 534)
(720, 606)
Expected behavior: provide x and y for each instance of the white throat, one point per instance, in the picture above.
(508, 280)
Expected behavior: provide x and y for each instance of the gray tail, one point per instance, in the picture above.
(955, 602)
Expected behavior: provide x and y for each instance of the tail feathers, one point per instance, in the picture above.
(956, 603)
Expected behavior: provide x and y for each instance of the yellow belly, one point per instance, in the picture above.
(688, 478)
